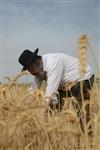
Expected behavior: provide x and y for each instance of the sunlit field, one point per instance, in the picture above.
(23, 127)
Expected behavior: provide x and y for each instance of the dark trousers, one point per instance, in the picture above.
(81, 91)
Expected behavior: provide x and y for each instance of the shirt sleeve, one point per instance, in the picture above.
(54, 78)
(35, 84)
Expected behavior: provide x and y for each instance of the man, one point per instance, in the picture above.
(58, 70)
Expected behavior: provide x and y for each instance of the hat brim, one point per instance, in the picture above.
(36, 51)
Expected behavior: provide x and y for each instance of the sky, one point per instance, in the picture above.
(51, 26)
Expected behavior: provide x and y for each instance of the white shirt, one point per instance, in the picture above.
(60, 68)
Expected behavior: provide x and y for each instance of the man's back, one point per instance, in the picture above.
(69, 64)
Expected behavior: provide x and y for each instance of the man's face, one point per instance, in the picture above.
(37, 70)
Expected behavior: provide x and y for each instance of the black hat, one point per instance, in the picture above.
(27, 57)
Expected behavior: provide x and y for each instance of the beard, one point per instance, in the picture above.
(42, 75)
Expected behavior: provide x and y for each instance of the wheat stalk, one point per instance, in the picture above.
(83, 46)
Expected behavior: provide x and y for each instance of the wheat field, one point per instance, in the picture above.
(22, 126)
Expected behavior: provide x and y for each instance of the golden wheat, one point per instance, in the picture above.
(22, 126)
(83, 46)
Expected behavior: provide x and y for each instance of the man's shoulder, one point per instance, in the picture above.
(54, 55)
(51, 60)
(58, 57)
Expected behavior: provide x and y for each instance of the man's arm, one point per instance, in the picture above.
(53, 82)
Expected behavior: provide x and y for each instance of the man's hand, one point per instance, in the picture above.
(47, 103)
(43, 113)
